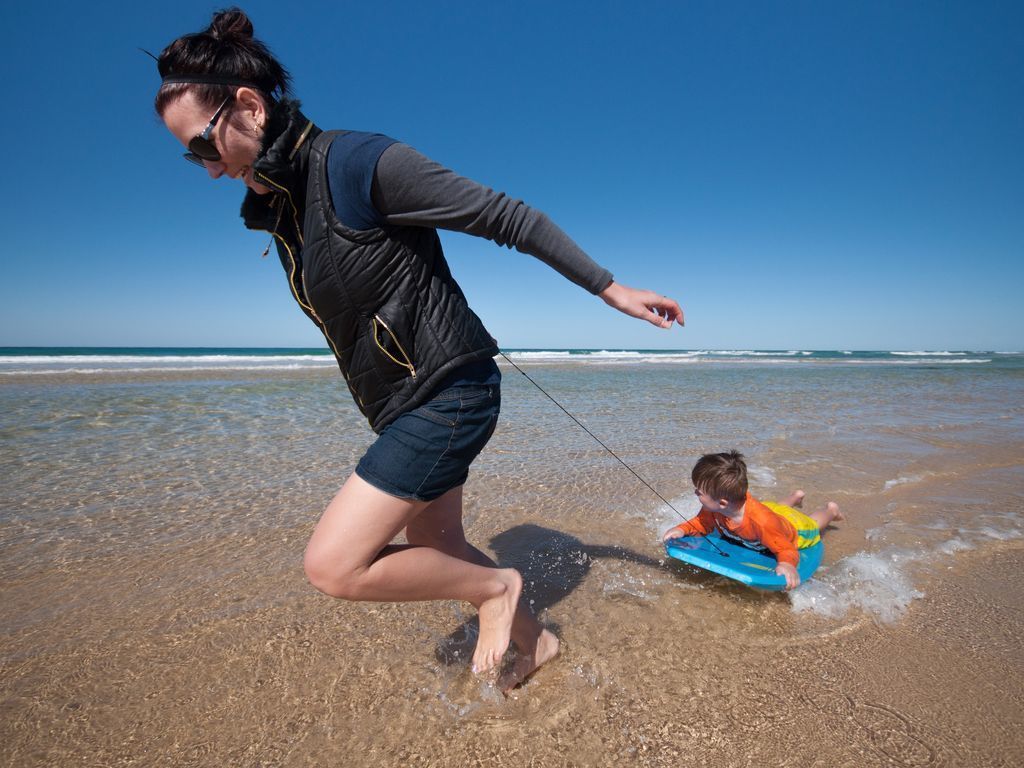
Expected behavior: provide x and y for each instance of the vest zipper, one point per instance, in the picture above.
(279, 188)
(291, 257)
(291, 278)
(316, 317)
(303, 304)
(377, 320)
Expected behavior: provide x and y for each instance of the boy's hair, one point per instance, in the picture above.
(721, 475)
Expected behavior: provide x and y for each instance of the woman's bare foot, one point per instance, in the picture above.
(496, 616)
(526, 663)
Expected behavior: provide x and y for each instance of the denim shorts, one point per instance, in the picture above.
(426, 452)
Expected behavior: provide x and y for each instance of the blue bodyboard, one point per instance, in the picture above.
(734, 561)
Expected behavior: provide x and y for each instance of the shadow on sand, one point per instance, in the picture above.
(552, 565)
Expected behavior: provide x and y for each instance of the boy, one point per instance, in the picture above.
(720, 482)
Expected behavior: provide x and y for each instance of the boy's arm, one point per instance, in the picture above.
(701, 525)
(773, 534)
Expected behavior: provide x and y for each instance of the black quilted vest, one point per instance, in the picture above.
(385, 300)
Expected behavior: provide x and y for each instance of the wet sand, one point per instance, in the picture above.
(727, 678)
(165, 620)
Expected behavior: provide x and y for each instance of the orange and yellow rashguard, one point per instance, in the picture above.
(781, 529)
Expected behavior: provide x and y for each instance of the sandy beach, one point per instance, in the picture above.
(154, 611)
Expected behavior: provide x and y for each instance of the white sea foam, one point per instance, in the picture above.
(663, 517)
(93, 364)
(614, 353)
(752, 353)
(540, 355)
(953, 546)
(902, 480)
(624, 584)
(924, 353)
(670, 359)
(761, 475)
(162, 369)
(149, 359)
(131, 362)
(929, 361)
(876, 583)
(1000, 534)
(602, 356)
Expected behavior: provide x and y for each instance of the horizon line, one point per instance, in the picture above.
(326, 351)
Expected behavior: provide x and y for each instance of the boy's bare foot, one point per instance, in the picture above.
(526, 663)
(795, 499)
(496, 617)
(833, 509)
(825, 517)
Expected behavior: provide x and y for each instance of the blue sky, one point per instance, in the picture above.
(797, 175)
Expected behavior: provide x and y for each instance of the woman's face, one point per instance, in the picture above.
(237, 134)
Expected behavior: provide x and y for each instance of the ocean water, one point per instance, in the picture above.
(106, 441)
(156, 502)
(87, 360)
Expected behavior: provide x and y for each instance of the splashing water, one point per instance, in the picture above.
(876, 583)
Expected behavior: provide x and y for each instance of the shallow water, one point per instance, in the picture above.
(153, 609)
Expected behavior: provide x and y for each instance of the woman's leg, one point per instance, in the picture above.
(349, 556)
(440, 526)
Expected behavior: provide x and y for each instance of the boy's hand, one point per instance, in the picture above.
(789, 573)
(680, 544)
(672, 533)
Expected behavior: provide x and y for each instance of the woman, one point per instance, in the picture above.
(354, 217)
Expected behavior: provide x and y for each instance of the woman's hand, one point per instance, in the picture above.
(647, 305)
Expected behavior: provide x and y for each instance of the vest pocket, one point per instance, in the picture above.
(388, 345)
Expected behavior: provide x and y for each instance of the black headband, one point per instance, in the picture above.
(211, 80)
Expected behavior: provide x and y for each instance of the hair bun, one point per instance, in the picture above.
(230, 23)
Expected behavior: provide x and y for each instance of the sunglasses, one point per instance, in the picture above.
(200, 148)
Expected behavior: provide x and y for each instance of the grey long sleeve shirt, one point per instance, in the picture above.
(412, 190)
